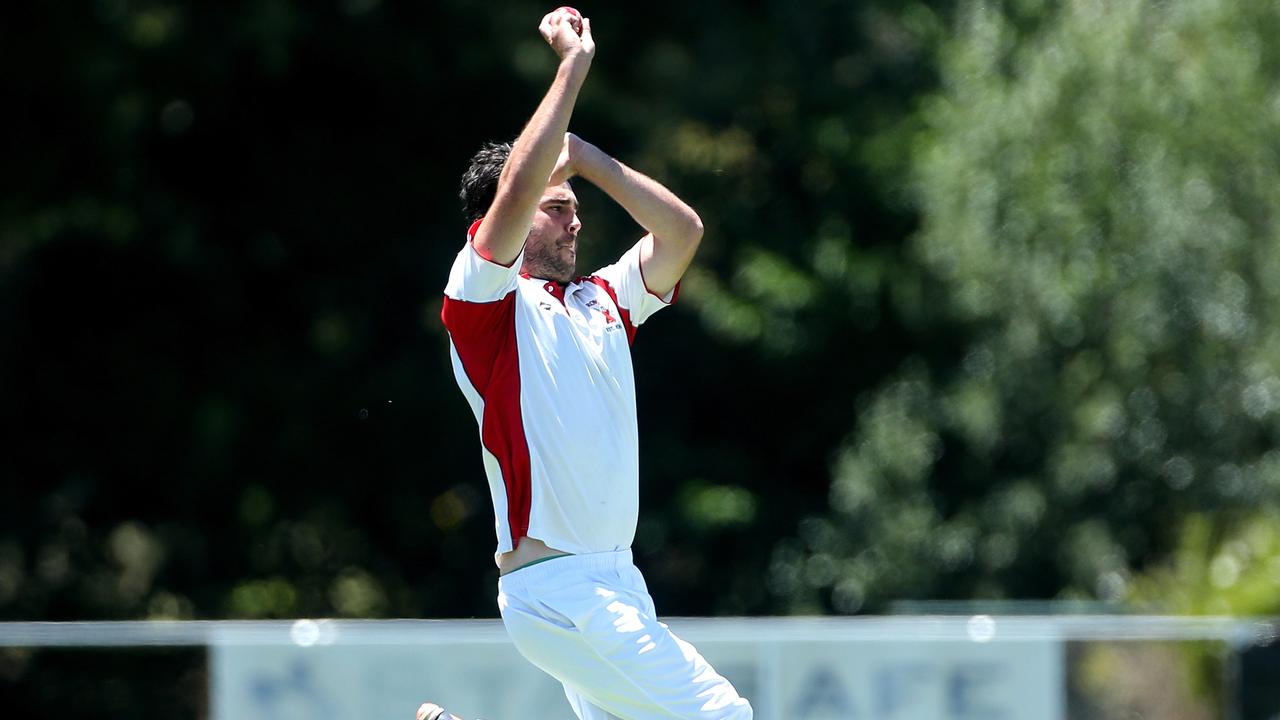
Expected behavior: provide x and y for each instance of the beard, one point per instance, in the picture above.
(549, 261)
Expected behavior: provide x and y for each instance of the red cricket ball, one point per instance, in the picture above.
(576, 21)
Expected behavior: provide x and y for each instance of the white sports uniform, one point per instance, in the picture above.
(547, 371)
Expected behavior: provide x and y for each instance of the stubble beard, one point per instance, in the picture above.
(547, 260)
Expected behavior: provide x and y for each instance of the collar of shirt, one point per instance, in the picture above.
(556, 289)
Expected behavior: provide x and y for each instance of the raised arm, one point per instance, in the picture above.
(533, 155)
(674, 229)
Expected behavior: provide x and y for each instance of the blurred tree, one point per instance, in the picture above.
(1091, 295)
(224, 229)
(1223, 567)
(225, 390)
(1217, 569)
(1120, 680)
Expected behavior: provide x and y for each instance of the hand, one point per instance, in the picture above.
(557, 29)
(565, 164)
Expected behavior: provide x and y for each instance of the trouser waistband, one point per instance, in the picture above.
(556, 566)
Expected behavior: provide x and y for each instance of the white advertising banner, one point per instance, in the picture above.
(821, 669)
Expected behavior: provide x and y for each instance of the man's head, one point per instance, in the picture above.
(551, 248)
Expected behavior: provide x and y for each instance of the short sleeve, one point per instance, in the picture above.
(627, 281)
(479, 296)
(476, 279)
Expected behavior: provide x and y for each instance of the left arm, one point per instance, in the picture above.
(674, 228)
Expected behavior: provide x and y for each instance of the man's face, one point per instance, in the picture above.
(551, 250)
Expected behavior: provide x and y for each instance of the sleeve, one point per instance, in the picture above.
(474, 278)
(479, 294)
(626, 280)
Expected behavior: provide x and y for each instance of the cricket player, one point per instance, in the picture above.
(542, 355)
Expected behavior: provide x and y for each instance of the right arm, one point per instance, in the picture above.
(501, 236)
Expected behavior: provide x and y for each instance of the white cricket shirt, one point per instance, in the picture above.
(547, 371)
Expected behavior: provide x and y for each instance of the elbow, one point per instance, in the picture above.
(696, 228)
(691, 235)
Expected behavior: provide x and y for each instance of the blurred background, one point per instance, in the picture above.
(985, 314)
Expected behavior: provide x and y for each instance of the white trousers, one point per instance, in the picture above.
(588, 621)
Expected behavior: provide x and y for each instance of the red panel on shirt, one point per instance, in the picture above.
(484, 335)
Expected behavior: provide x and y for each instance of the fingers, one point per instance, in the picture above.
(572, 16)
(560, 17)
(566, 31)
(548, 26)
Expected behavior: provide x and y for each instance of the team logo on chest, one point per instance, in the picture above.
(610, 321)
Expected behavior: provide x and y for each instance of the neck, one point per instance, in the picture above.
(535, 275)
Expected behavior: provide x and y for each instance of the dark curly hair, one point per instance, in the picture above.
(480, 181)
